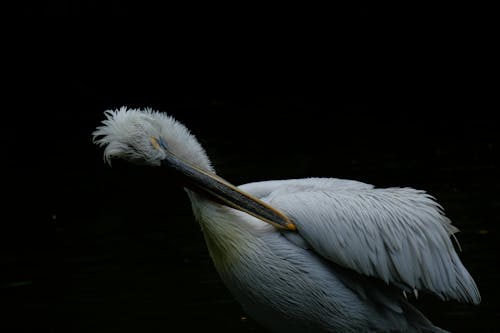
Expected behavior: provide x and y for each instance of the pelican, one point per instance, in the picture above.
(306, 255)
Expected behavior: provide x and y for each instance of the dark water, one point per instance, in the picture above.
(117, 249)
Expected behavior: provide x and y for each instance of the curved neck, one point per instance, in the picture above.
(225, 232)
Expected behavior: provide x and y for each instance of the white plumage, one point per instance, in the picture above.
(356, 249)
(399, 235)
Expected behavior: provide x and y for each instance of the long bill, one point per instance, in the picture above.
(222, 191)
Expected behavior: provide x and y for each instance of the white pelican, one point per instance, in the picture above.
(306, 255)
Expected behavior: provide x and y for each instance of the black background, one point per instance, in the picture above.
(393, 96)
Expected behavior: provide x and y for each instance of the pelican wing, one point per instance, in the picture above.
(399, 235)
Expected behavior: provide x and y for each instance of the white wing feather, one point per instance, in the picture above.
(399, 235)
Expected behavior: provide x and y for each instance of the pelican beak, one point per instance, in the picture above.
(220, 190)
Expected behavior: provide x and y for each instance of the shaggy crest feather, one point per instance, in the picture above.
(126, 133)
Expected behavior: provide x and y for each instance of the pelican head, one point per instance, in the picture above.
(145, 137)
(154, 138)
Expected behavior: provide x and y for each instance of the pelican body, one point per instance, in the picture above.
(306, 255)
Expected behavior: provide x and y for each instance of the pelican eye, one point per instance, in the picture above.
(158, 143)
